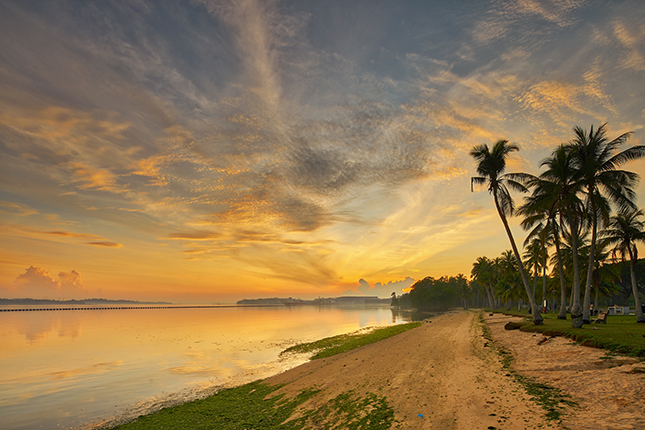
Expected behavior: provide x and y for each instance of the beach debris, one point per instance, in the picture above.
(545, 339)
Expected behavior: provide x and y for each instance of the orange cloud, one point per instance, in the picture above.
(195, 235)
(108, 244)
(69, 234)
(96, 179)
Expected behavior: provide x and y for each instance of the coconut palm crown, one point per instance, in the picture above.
(625, 229)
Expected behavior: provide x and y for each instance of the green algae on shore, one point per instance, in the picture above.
(346, 342)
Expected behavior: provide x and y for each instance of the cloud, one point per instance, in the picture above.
(381, 290)
(71, 284)
(506, 16)
(195, 235)
(16, 209)
(106, 244)
(70, 234)
(38, 284)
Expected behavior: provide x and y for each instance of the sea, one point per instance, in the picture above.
(90, 368)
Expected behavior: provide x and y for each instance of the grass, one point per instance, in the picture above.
(346, 342)
(255, 406)
(551, 399)
(621, 334)
(235, 408)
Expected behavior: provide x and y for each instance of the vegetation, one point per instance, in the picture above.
(569, 205)
(625, 230)
(431, 294)
(255, 406)
(620, 334)
(346, 342)
(491, 166)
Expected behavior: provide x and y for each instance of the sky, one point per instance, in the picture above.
(208, 151)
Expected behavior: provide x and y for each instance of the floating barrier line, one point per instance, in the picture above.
(109, 308)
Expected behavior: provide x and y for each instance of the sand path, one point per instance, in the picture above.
(442, 370)
(609, 390)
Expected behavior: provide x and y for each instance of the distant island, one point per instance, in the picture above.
(23, 302)
(327, 301)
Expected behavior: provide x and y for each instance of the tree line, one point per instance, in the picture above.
(580, 213)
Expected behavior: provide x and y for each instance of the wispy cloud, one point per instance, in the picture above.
(106, 244)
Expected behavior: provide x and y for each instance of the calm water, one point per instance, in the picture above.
(67, 369)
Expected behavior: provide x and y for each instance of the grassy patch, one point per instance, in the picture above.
(346, 342)
(251, 406)
(620, 335)
(551, 399)
(245, 407)
(347, 411)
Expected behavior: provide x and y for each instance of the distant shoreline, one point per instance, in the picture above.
(93, 301)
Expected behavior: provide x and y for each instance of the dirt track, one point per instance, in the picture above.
(609, 391)
(441, 370)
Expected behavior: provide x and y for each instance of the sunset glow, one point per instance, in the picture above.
(210, 151)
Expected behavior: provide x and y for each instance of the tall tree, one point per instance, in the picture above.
(625, 229)
(597, 161)
(491, 165)
(533, 257)
(483, 272)
(555, 201)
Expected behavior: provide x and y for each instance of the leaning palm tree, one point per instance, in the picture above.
(597, 161)
(625, 229)
(491, 165)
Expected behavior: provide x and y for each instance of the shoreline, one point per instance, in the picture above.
(446, 374)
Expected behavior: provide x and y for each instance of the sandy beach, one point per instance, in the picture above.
(445, 375)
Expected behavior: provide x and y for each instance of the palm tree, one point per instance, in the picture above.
(491, 165)
(484, 273)
(625, 229)
(508, 279)
(554, 201)
(596, 160)
(605, 276)
(533, 257)
(464, 289)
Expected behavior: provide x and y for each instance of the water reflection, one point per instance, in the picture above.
(66, 367)
(37, 326)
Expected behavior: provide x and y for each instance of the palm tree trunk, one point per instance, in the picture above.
(632, 272)
(562, 315)
(535, 277)
(544, 282)
(490, 297)
(586, 304)
(595, 302)
(537, 317)
(576, 309)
